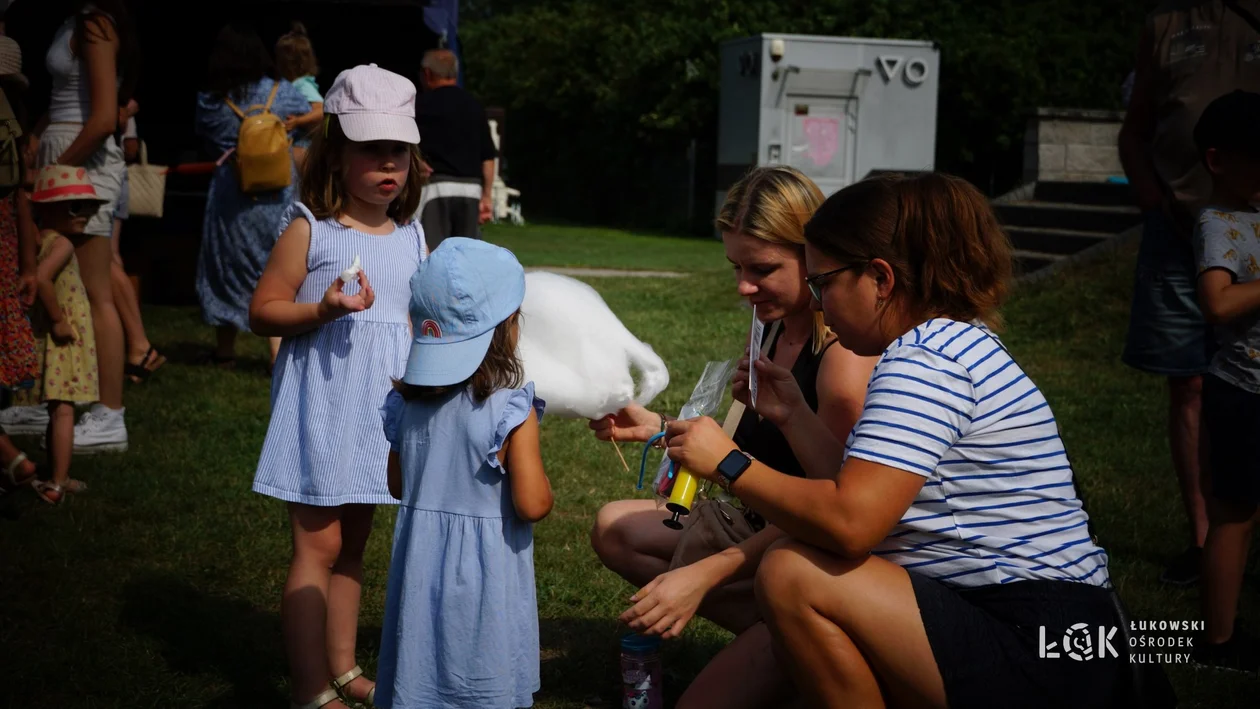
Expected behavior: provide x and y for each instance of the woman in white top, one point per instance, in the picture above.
(92, 64)
(951, 532)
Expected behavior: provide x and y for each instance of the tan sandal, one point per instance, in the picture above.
(328, 696)
(340, 683)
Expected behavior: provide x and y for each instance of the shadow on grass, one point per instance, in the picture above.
(206, 634)
(200, 354)
(581, 661)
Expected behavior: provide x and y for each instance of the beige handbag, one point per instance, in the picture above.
(147, 186)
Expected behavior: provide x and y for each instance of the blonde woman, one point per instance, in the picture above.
(763, 231)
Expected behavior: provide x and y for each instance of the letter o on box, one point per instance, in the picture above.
(916, 71)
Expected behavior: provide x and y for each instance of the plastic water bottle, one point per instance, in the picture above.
(641, 672)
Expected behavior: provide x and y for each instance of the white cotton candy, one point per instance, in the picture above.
(351, 275)
(578, 354)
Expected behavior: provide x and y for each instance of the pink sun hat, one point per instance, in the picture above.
(63, 183)
(372, 103)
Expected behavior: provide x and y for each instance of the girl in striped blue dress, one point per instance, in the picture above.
(345, 339)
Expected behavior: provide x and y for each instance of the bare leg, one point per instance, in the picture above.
(225, 342)
(128, 304)
(304, 608)
(344, 591)
(95, 258)
(1184, 421)
(630, 540)
(1224, 560)
(849, 630)
(744, 675)
(60, 439)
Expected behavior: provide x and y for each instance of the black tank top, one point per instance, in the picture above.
(762, 439)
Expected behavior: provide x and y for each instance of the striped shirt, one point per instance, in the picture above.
(947, 402)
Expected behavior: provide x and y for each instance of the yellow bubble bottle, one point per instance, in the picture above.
(680, 498)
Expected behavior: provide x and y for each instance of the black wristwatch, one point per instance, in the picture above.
(731, 467)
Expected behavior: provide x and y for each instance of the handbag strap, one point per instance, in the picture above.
(736, 412)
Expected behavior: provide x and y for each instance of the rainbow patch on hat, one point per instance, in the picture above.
(430, 328)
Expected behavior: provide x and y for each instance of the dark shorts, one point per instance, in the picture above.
(451, 216)
(1232, 417)
(1167, 332)
(987, 644)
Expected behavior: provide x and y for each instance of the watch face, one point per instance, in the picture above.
(733, 465)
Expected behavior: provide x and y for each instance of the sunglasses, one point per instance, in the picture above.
(814, 283)
(82, 207)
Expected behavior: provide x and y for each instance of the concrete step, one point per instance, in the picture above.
(1054, 241)
(1103, 194)
(1029, 261)
(1065, 215)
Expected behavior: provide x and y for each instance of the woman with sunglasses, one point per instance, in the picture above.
(762, 224)
(949, 530)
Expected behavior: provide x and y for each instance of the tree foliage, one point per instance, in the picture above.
(604, 98)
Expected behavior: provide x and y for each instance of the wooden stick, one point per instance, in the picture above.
(613, 441)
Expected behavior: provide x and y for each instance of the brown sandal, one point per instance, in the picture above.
(139, 373)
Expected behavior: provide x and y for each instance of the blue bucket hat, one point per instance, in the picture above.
(458, 296)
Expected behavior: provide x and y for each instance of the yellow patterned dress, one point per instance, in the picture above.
(68, 371)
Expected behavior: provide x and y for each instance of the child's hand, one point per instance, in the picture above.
(63, 333)
(337, 304)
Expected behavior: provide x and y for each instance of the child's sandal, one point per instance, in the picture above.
(11, 470)
(328, 696)
(355, 672)
(55, 494)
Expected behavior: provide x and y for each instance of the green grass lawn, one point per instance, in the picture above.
(160, 586)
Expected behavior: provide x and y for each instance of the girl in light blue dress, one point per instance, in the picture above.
(461, 614)
(345, 339)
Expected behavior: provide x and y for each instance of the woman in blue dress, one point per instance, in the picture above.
(239, 229)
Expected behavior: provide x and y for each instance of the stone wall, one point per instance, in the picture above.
(1072, 145)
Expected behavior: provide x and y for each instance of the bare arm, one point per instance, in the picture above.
(818, 441)
(848, 515)
(1138, 132)
(740, 561)
(99, 49)
(1225, 301)
(395, 476)
(487, 180)
(272, 312)
(46, 274)
(522, 456)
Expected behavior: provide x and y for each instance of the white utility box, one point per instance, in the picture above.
(836, 108)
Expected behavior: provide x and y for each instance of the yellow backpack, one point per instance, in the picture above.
(264, 162)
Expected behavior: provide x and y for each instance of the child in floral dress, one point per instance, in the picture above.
(62, 320)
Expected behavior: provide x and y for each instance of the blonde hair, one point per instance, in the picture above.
(774, 204)
(295, 56)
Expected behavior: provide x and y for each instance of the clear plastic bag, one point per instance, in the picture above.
(705, 400)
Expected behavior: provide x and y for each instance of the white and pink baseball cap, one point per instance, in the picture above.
(372, 103)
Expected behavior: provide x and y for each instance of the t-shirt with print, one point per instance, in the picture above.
(309, 89)
(998, 503)
(1231, 241)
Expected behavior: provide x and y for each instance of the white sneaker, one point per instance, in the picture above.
(101, 430)
(24, 420)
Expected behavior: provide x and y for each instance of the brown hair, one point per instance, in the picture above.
(950, 256)
(295, 57)
(773, 204)
(322, 189)
(501, 369)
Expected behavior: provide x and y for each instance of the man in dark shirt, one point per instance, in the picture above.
(458, 150)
